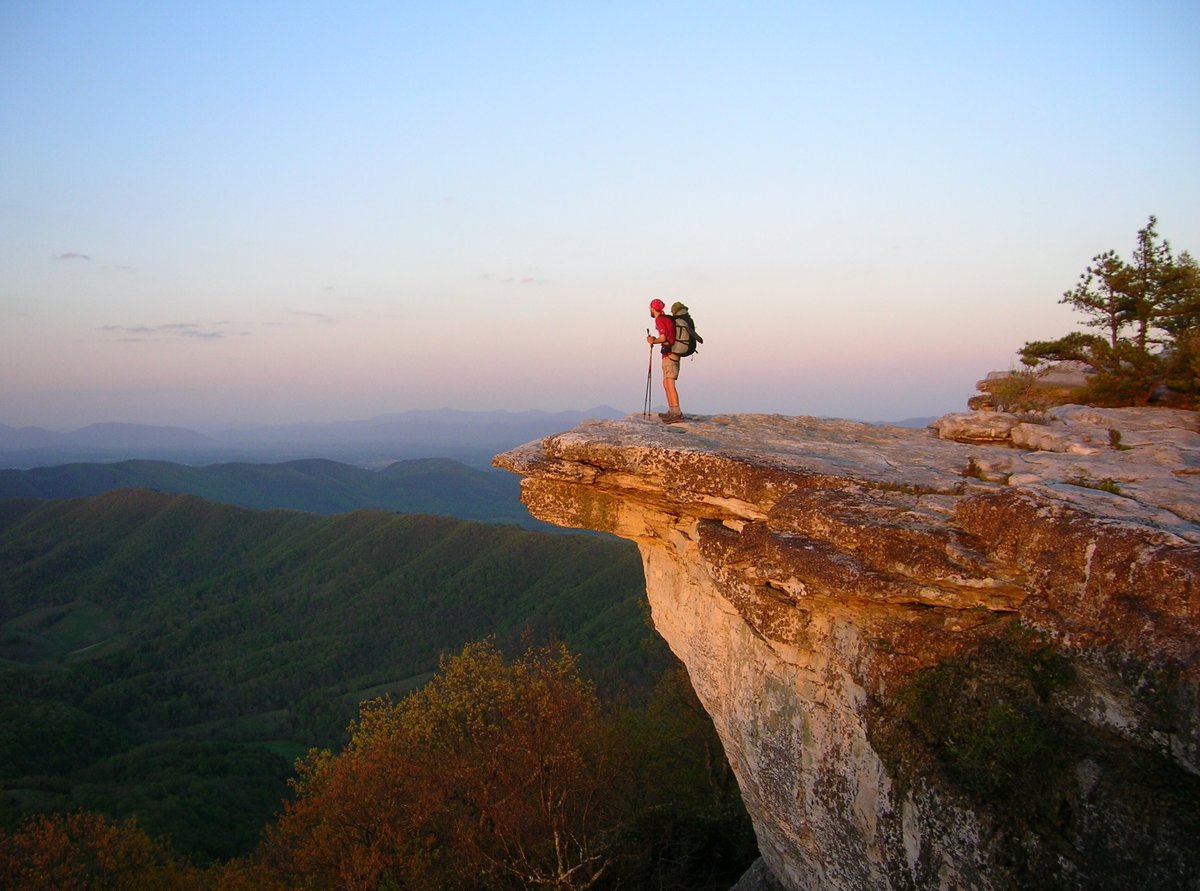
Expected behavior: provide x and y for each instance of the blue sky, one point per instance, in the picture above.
(217, 212)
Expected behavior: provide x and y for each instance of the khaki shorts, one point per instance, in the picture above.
(670, 368)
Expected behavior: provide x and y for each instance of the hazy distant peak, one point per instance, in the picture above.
(442, 432)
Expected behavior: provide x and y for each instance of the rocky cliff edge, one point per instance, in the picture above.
(959, 657)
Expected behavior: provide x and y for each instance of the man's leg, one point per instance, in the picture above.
(672, 394)
(670, 374)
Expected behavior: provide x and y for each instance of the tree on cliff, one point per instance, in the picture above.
(1149, 309)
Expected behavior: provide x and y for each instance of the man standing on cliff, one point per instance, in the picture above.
(664, 325)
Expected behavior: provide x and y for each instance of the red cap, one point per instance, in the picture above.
(657, 304)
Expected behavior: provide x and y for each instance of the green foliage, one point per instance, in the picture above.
(686, 827)
(1108, 484)
(499, 774)
(1149, 309)
(988, 717)
(1182, 368)
(46, 736)
(1074, 347)
(265, 607)
(137, 617)
(989, 729)
(184, 790)
(1101, 294)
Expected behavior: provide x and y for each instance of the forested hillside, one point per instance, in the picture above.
(169, 657)
(427, 486)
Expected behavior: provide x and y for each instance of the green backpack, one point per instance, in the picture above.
(686, 338)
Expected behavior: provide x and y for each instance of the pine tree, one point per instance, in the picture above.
(1149, 308)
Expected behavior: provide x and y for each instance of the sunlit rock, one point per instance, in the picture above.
(933, 664)
(976, 426)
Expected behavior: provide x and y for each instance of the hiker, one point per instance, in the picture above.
(664, 325)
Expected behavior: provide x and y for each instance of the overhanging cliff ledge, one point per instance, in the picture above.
(932, 662)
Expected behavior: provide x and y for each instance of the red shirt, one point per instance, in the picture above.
(666, 328)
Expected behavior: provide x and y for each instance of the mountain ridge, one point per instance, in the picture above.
(436, 486)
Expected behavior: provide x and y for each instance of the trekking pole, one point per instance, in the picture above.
(649, 372)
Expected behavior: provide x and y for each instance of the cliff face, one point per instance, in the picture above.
(932, 663)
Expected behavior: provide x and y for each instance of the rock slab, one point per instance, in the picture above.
(820, 579)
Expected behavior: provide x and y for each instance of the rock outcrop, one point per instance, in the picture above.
(932, 663)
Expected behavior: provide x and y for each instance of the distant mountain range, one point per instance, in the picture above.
(435, 486)
(103, 436)
(469, 437)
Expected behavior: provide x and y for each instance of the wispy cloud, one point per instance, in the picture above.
(76, 255)
(317, 316)
(515, 279)
(213, 330)
(169, 331)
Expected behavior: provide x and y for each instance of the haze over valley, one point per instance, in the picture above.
(470, 437)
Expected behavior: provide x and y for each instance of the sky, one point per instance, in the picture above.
(230, 212)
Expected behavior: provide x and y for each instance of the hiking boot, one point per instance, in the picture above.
(671, 417)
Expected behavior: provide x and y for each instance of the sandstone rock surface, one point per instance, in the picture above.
(931, 663)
